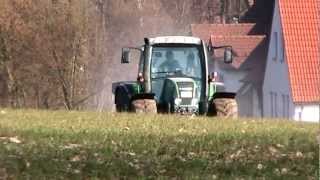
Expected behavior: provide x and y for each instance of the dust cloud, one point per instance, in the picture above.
(126, 23)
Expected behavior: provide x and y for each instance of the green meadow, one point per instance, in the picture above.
(91, 145)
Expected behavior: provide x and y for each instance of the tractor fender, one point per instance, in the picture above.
(143, 96)
(117, 85)
(224, 95)
(123, 91)
(122, 95)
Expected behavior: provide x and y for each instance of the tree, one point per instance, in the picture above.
(44, 55)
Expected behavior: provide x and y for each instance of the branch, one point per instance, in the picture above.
(81, 101)
(68, 104)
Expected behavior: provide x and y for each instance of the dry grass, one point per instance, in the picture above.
(59, 145)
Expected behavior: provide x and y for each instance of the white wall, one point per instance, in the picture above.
(249, 102)
(231, 78)
(308, 113)
(277, 99)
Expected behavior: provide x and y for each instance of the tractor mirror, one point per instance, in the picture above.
(209, 47)
(125, 58)
(228, 56)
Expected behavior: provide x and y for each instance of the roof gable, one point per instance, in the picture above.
(205, 31)
(243, 46)
(300, 22)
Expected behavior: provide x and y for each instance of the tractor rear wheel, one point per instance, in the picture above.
(121, 108)
(225, 107)
(144, 106)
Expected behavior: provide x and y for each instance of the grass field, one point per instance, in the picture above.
(88, 145)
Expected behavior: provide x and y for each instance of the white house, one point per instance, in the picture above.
(291, 86)
(245, 75)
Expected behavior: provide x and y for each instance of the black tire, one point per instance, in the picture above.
(225, 107)
(121, 108)
(144, 106)
(169, 108)
(121, 101)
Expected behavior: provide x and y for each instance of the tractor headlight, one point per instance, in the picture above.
(195, 102)
(177, 101)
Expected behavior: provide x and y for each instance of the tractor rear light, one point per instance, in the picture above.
(194, 102)
(210, 79)
(140, 78)
(177, 101)
(214, 77)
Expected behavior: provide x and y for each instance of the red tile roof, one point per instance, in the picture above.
(301, 25)
(204, 31)
(244, 47)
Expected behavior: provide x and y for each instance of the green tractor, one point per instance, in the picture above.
(173, 77)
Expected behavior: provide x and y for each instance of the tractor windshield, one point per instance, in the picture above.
(175, 62)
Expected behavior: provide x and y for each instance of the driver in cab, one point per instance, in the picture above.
(170, 64)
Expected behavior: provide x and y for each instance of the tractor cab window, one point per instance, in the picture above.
(175, 62)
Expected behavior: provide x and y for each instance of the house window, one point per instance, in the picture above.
(275, 45)
(288, 106)
(282, 55)
(285, 106)
(271, 104)
(276, 104)
(300, 113)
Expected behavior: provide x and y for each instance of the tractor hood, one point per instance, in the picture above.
(181, 79)
(184, 87)
(181, 93)
(173, 85)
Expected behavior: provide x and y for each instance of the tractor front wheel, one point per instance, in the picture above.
(144, 106)
(225, 107)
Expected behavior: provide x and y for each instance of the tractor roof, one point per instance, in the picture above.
(173, 40)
